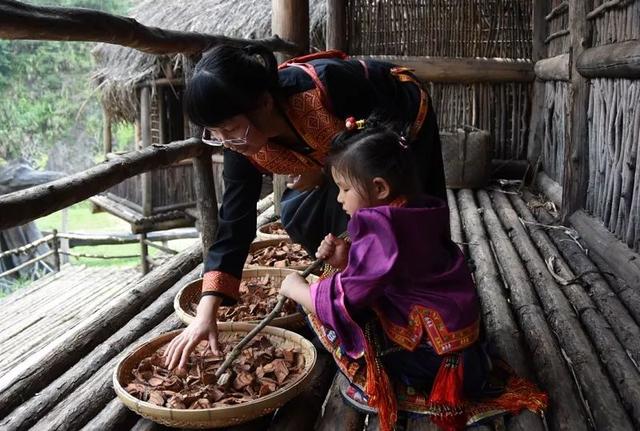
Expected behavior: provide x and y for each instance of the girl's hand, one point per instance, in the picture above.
(306, 181)
(203, 327)
(295, 287)
(334, 251)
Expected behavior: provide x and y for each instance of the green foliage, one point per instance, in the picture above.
(46, 92)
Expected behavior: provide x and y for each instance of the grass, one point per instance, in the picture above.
(80, 219)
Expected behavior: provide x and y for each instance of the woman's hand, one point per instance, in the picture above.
(203, 327)
(334, 251)
(295, 287)
(306, 181)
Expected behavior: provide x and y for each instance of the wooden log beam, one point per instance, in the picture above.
(92, 396)
(301, 412)
(566, 410)
(34, 408)
(618, 359)
(624, 262)
(454, 221)
(337, 25)
(462, 70)
(604, 405)
(576, 150)
(554, 69)
(550, 188)
(49, 363)
(615, 60)
(113, 417)
(25, 21)
(25, 205)
(538, 52)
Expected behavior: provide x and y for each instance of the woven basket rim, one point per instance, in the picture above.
(282, 321)
(227, 414)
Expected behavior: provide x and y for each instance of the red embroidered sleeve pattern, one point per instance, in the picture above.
(221, 282)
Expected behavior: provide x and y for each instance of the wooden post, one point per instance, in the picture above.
(206, 199)
(56, 252)
(145, 132)
(539, 51)
(162, 123)
(64, 243)
(107, 142)
(337, 25)
(290, 21)
(576, 155)
(144, 253)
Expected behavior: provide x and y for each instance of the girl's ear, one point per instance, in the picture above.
(381, 189)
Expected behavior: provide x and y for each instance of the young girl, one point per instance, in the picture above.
(403, 307)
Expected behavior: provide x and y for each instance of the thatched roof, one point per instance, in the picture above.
(119, 69)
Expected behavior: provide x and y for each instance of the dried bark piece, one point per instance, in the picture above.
(282, 255)
(155, 397)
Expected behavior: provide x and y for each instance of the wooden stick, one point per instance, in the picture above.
(25, 21)
(546, 357)
(556, 35)
(26, 264)
(25, 205)
(44, 366)
(25, 248)
(561, 9)
(562, 318)
(606, 6)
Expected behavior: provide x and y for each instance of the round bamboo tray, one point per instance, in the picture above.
(259, 245)
(263, 232)
(191, 293)
(224, 415)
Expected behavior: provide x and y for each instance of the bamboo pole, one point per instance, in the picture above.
(25, 21)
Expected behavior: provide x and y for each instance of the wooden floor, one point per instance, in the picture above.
(35, 316)
(548, 309)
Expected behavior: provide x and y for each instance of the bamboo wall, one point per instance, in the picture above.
(614, 133)
(456, 28)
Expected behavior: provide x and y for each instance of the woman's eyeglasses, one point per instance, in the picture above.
(236, 142)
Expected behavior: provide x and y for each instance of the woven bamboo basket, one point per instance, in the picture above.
(259, 245)
(263, 232)
(219, 416)
(191, 293)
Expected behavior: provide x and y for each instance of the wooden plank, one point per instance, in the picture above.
(462, 70)
(615, 60)
(24, 21)
(576, 155)
(44, 366)
(35, 202)
(554, 68)
(623, 261)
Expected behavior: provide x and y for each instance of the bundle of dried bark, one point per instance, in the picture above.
(260, 370)
(283, 255)
(258, 296)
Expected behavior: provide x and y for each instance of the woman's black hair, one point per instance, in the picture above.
(228, 81)
(378, 150)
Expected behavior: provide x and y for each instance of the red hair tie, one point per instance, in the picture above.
(352, 124)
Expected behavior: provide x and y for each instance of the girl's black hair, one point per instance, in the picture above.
(228, 81)
(378, 150)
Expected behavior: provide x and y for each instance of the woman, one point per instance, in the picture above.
(283, 121)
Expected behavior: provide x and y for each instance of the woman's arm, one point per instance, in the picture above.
(296, 288)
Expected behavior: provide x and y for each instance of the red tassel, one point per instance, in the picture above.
(446, 394)
(380, 392)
